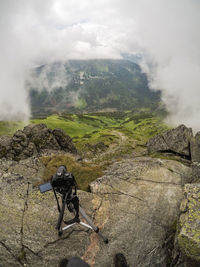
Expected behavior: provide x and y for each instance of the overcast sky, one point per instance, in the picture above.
(165, 31)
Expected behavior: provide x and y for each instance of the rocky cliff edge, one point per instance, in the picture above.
(136, 204)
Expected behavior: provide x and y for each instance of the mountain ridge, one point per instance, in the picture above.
(89, 85)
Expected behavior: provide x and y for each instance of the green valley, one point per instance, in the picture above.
(88, 86)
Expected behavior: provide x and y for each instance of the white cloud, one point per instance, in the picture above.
(166, 31)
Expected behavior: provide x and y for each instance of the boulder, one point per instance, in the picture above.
(189, 233)
(195, 148)
(176, 140)
(41, 136)
(5, 145)
(64, 141)
(33, 139)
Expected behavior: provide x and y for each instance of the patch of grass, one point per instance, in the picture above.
(102, 136)
(83, 172)
(145, 128)
(10, 127)
(73, 127)
(94, 138)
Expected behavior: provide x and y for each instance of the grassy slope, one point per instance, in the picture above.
(10, 127)
(100, 138)
(102, 127)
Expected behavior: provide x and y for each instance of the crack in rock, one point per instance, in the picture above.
(33, 252)
(97, 209)
(157, 182)
(10, 252)
(23, 214)
(123, 194)
(23, 246)
(126, 180)
(118, 192)
(59, 239)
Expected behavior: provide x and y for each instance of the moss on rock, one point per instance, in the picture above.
(189, 235)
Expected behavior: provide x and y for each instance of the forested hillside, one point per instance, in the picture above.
(89, 85)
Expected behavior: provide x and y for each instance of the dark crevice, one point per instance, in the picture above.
(59, 240)
(118, 192)
(10, 252)
(124, 194)
(126, 180)
(176, 154)
(157, 182)
(22, 222)
(97, 209)
(33, 252)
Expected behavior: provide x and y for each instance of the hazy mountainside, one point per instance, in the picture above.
(89, 85)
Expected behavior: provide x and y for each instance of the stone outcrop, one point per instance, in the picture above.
(64, 141)
(176, 140)
(135, 204)
(195, 148)
(33, 139)
(188, 235)
(5, 145)
(195, 172)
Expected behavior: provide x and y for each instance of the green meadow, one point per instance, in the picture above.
(93, 128)
(10, 127)
(100, 138)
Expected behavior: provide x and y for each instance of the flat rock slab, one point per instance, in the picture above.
(135, 204)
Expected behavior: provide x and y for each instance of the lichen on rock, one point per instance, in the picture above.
(189, 235)
(32, 140)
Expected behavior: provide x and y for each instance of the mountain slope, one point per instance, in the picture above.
(89, 85)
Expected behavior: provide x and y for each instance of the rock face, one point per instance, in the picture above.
(32, 140)
(135, 204)
(195, 148)
(5, 145)
(176, 140)
(189, 233)
(64, 141)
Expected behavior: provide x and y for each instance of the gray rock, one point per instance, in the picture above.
(176, 140)
(34, 139)
(157, 143)
(5, 145)
(64, 141)
(189, 234)
(41, 136)
(195, 178)
(134, 204)
(195, 148)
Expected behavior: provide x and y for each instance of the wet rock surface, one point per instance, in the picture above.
(135, 204)
(33, 139)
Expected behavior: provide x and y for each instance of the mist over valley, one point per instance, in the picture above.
(89, 86)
